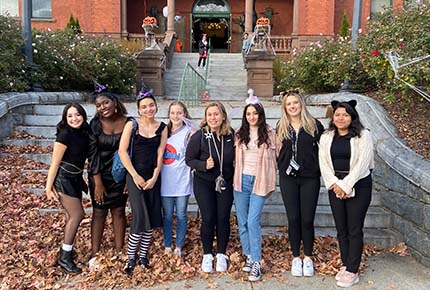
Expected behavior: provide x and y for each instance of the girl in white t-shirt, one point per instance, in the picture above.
(176, 180)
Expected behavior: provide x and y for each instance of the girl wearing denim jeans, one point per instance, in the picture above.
(176, 181)
(254, 179)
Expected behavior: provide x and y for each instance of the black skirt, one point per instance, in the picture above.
(69, 180)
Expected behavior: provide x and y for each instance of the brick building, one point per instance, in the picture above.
(294, 22)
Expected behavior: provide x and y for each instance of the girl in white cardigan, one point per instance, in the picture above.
(346, 162)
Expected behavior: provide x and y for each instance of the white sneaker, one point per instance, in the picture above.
(177, 252)
(248, 264)
(207, 263)
(297, 267)
(308, 267)
(221, 262)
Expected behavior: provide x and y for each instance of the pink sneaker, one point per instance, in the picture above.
(340, 273)
(348, 279)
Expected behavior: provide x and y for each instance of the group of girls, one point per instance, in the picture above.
(167, 163)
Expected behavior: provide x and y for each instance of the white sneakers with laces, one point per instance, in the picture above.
(308, 267)
(297, 267)
(221, 262)
(207, 263)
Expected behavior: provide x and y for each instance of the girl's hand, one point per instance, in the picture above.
(139, 181)
(338, 191)
(150, 183)
(52, 194)
(99, 194)
(210, 163)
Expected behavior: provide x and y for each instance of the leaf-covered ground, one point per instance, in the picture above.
(30, 241)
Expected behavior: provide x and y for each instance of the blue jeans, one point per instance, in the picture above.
(249, 207)
(181, 203)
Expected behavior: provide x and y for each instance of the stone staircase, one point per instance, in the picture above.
(40, 121)
(226, 75)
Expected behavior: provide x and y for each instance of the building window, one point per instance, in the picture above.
(9, 8)
(414, 3)
(377, 6)
(41, 9)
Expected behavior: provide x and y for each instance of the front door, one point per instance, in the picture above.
(211, 17)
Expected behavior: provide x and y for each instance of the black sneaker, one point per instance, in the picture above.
(248, 265)
(255, 273)
(144, 262)
(129, 267)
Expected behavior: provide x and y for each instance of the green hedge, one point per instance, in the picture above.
(13, 68)
(64, 61)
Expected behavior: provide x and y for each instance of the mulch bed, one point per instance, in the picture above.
(412, 119)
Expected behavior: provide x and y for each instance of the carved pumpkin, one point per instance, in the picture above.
(263, 21)
(150, 20)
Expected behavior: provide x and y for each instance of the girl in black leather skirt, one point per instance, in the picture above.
(65, 183)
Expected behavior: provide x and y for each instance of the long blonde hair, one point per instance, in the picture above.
(308, 122)
(225, 126)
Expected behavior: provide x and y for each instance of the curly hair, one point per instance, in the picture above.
(243, 133)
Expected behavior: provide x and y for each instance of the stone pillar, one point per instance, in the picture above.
(171, 15)
(124, 32)
(149, 71)
(260, 73)
(296, 17)
(248, 16)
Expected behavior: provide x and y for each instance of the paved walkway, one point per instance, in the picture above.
(385, 271)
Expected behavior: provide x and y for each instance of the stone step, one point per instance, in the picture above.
(275, 216)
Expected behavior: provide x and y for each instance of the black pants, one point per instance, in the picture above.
(200, 61)
(300, 196)
(215, 209)
(349, 215)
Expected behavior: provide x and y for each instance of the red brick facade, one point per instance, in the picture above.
(315, 18)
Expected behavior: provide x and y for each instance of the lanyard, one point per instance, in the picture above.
(220, 157)
(294, 139)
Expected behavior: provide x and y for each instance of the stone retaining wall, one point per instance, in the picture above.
(401, 175)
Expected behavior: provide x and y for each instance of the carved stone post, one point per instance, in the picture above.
(150, 71)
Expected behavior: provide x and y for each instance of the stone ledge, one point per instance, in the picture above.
(388, 145)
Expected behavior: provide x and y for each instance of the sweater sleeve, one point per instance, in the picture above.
(325, 162)
(361, 168)
(192, 155)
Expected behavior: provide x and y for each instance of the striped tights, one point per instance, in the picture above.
(142, 241)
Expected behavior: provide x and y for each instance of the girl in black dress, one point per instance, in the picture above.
(143, 178)
(106, 195)
(65, 182)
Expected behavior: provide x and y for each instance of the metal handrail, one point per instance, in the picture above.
(193, 83)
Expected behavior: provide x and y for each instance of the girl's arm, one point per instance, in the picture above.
(160, 154)
(123, 149)
(57, 156)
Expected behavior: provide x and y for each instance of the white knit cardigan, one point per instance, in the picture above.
(361, 161)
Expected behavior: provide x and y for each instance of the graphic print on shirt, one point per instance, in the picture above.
(170, 155)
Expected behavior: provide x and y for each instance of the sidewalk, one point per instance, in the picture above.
(385, 271)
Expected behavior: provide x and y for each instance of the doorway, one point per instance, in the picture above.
(213, 18)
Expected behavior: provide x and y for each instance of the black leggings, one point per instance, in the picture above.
(200, 61)
(215, 209)
(349, 215)
(300, 196)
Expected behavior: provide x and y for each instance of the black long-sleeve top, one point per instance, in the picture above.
(307, 153)
(198, 152)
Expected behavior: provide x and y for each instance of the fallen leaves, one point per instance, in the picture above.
(400, 249)
(30, 241)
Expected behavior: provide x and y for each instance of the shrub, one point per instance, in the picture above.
(74, 25)
(69, 61)
(344, 28)
(12, 63)
(405, 32)
(321, 67)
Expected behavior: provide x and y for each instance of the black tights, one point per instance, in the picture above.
(74, 216)
(98, 224)
(200, 61)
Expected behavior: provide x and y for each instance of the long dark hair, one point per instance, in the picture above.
(62, 125)
(356, 126)
(243, 132)
(186, 115)
(119, 106)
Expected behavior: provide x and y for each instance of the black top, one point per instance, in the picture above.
(144, 154)
(306, 155)
(203, 48)
(198, 152)
(340, 152)
(77, 142)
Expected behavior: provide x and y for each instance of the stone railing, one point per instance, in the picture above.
(401, 176)
(282, 44)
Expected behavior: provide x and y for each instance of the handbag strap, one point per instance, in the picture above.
(133, 132)
(220, 156)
